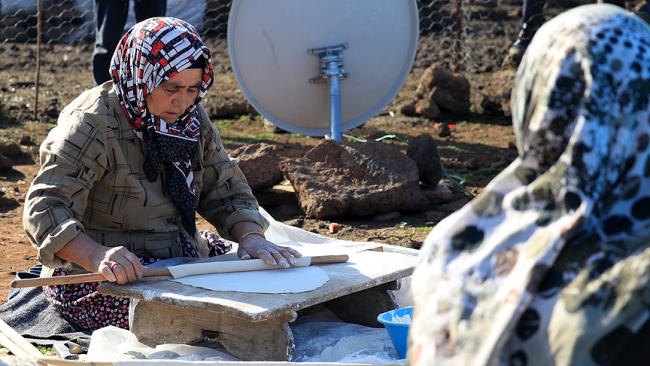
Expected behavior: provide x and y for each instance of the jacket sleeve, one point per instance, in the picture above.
(72, 159)
(225, 197)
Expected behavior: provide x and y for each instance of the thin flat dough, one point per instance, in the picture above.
(273, 281)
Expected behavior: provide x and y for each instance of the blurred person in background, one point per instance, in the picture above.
(532, 18)
(110, 19)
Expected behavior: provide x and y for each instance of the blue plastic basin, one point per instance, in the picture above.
(398, 332)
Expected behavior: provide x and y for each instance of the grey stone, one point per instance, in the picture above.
(353, 178)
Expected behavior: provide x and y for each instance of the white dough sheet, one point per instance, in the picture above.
(271, 281)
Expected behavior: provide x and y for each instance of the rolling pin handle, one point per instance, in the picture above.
(327, 259)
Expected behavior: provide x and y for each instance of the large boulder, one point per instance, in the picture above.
(352, 178)
(259, 163)
(449, 91)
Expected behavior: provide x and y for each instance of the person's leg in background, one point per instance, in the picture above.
(110, 18)
(532, 18)
(145, 9)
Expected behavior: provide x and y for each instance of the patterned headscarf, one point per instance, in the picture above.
(153, 51)
(550, 265)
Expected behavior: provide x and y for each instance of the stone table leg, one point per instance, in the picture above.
(269, 340)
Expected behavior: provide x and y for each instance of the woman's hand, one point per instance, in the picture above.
(118, 265)
(256, 246)
(115, 264)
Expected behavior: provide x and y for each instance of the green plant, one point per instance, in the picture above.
(401, 225)
(474, 110)
(45, 349)
(224, 124)
(420, 230)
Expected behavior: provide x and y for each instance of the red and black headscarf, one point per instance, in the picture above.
(153, 51)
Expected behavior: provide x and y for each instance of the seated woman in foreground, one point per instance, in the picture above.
(550, 265)
(127, 168)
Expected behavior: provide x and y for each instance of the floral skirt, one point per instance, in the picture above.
(81, 304)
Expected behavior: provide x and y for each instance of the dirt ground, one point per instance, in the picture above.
(480, 145)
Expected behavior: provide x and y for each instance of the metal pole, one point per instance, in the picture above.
(331, 70)
(335, 108)
(39, 16)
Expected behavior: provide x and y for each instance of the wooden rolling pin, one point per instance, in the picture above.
(183, 270)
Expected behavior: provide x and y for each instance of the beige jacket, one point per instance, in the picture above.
(91, 180)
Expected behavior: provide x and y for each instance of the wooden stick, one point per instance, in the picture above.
(147, 272)
(14, 342)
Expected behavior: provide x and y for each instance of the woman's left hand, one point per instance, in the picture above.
(256, 246)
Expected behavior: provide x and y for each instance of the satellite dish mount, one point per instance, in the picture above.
(331, 71)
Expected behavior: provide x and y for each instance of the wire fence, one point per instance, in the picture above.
(70, 21)
(452, 32)
(453, 23)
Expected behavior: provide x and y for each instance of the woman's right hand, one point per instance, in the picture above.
(115, 264)
(119, 265)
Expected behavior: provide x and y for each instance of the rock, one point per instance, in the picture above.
(259, 163)
(489, 106)
(10, 149)
(7, 201)
(334, 227)
(443, 130)
(427, 109)
(360, 179)
(5, 163)
(438, 194)
(408, 108)
(424, 152)
(450, 92)
(496, 94)
(25, 140)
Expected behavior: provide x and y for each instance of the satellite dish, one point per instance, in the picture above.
(279, 49)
